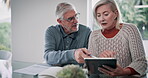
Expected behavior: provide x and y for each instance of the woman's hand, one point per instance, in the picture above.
(119, 71)
(107, 54)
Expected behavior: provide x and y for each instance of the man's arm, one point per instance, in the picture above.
(59, 57)
(52, 55)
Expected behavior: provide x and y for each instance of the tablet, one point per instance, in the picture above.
(93, 64)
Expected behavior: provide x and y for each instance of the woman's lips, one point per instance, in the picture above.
(103, 24)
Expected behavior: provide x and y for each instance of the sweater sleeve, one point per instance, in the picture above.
(133, 72)
(139, 63)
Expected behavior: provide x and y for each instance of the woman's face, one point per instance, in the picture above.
(106, 17)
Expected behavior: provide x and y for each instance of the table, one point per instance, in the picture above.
(18, 65)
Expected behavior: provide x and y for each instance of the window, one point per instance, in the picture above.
(137, 16)
(5, 26)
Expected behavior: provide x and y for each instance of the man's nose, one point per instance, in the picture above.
(75, 20)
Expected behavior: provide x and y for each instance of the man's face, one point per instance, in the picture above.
(69, 22)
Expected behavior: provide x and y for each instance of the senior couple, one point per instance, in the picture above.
(70, 42)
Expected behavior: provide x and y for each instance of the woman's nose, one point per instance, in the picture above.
(101, 18)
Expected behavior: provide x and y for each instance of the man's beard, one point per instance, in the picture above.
(69, 30)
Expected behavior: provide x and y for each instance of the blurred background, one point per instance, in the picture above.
(23, 23)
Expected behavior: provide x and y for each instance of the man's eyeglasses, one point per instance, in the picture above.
(71, 19)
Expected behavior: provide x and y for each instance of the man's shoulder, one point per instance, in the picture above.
(83, 27)
(53, 28)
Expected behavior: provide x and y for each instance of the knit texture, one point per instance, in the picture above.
(127, 44)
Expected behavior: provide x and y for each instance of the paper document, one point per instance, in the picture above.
(33, 69)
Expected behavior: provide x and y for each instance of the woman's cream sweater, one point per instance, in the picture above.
(127, 44)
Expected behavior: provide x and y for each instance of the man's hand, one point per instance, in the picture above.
(80, 54)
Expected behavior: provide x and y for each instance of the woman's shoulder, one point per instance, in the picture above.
(130, 28)
(95, 33)
(129, 25)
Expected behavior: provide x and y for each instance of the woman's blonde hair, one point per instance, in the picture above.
(114, 6)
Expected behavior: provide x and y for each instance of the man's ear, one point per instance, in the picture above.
(59, 21)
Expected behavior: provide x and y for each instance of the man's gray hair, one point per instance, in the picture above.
(62, 8)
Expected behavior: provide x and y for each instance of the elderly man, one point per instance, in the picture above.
(66, 42)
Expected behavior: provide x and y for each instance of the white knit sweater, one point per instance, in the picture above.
(127, 44)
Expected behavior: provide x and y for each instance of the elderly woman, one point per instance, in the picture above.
(116, 39)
